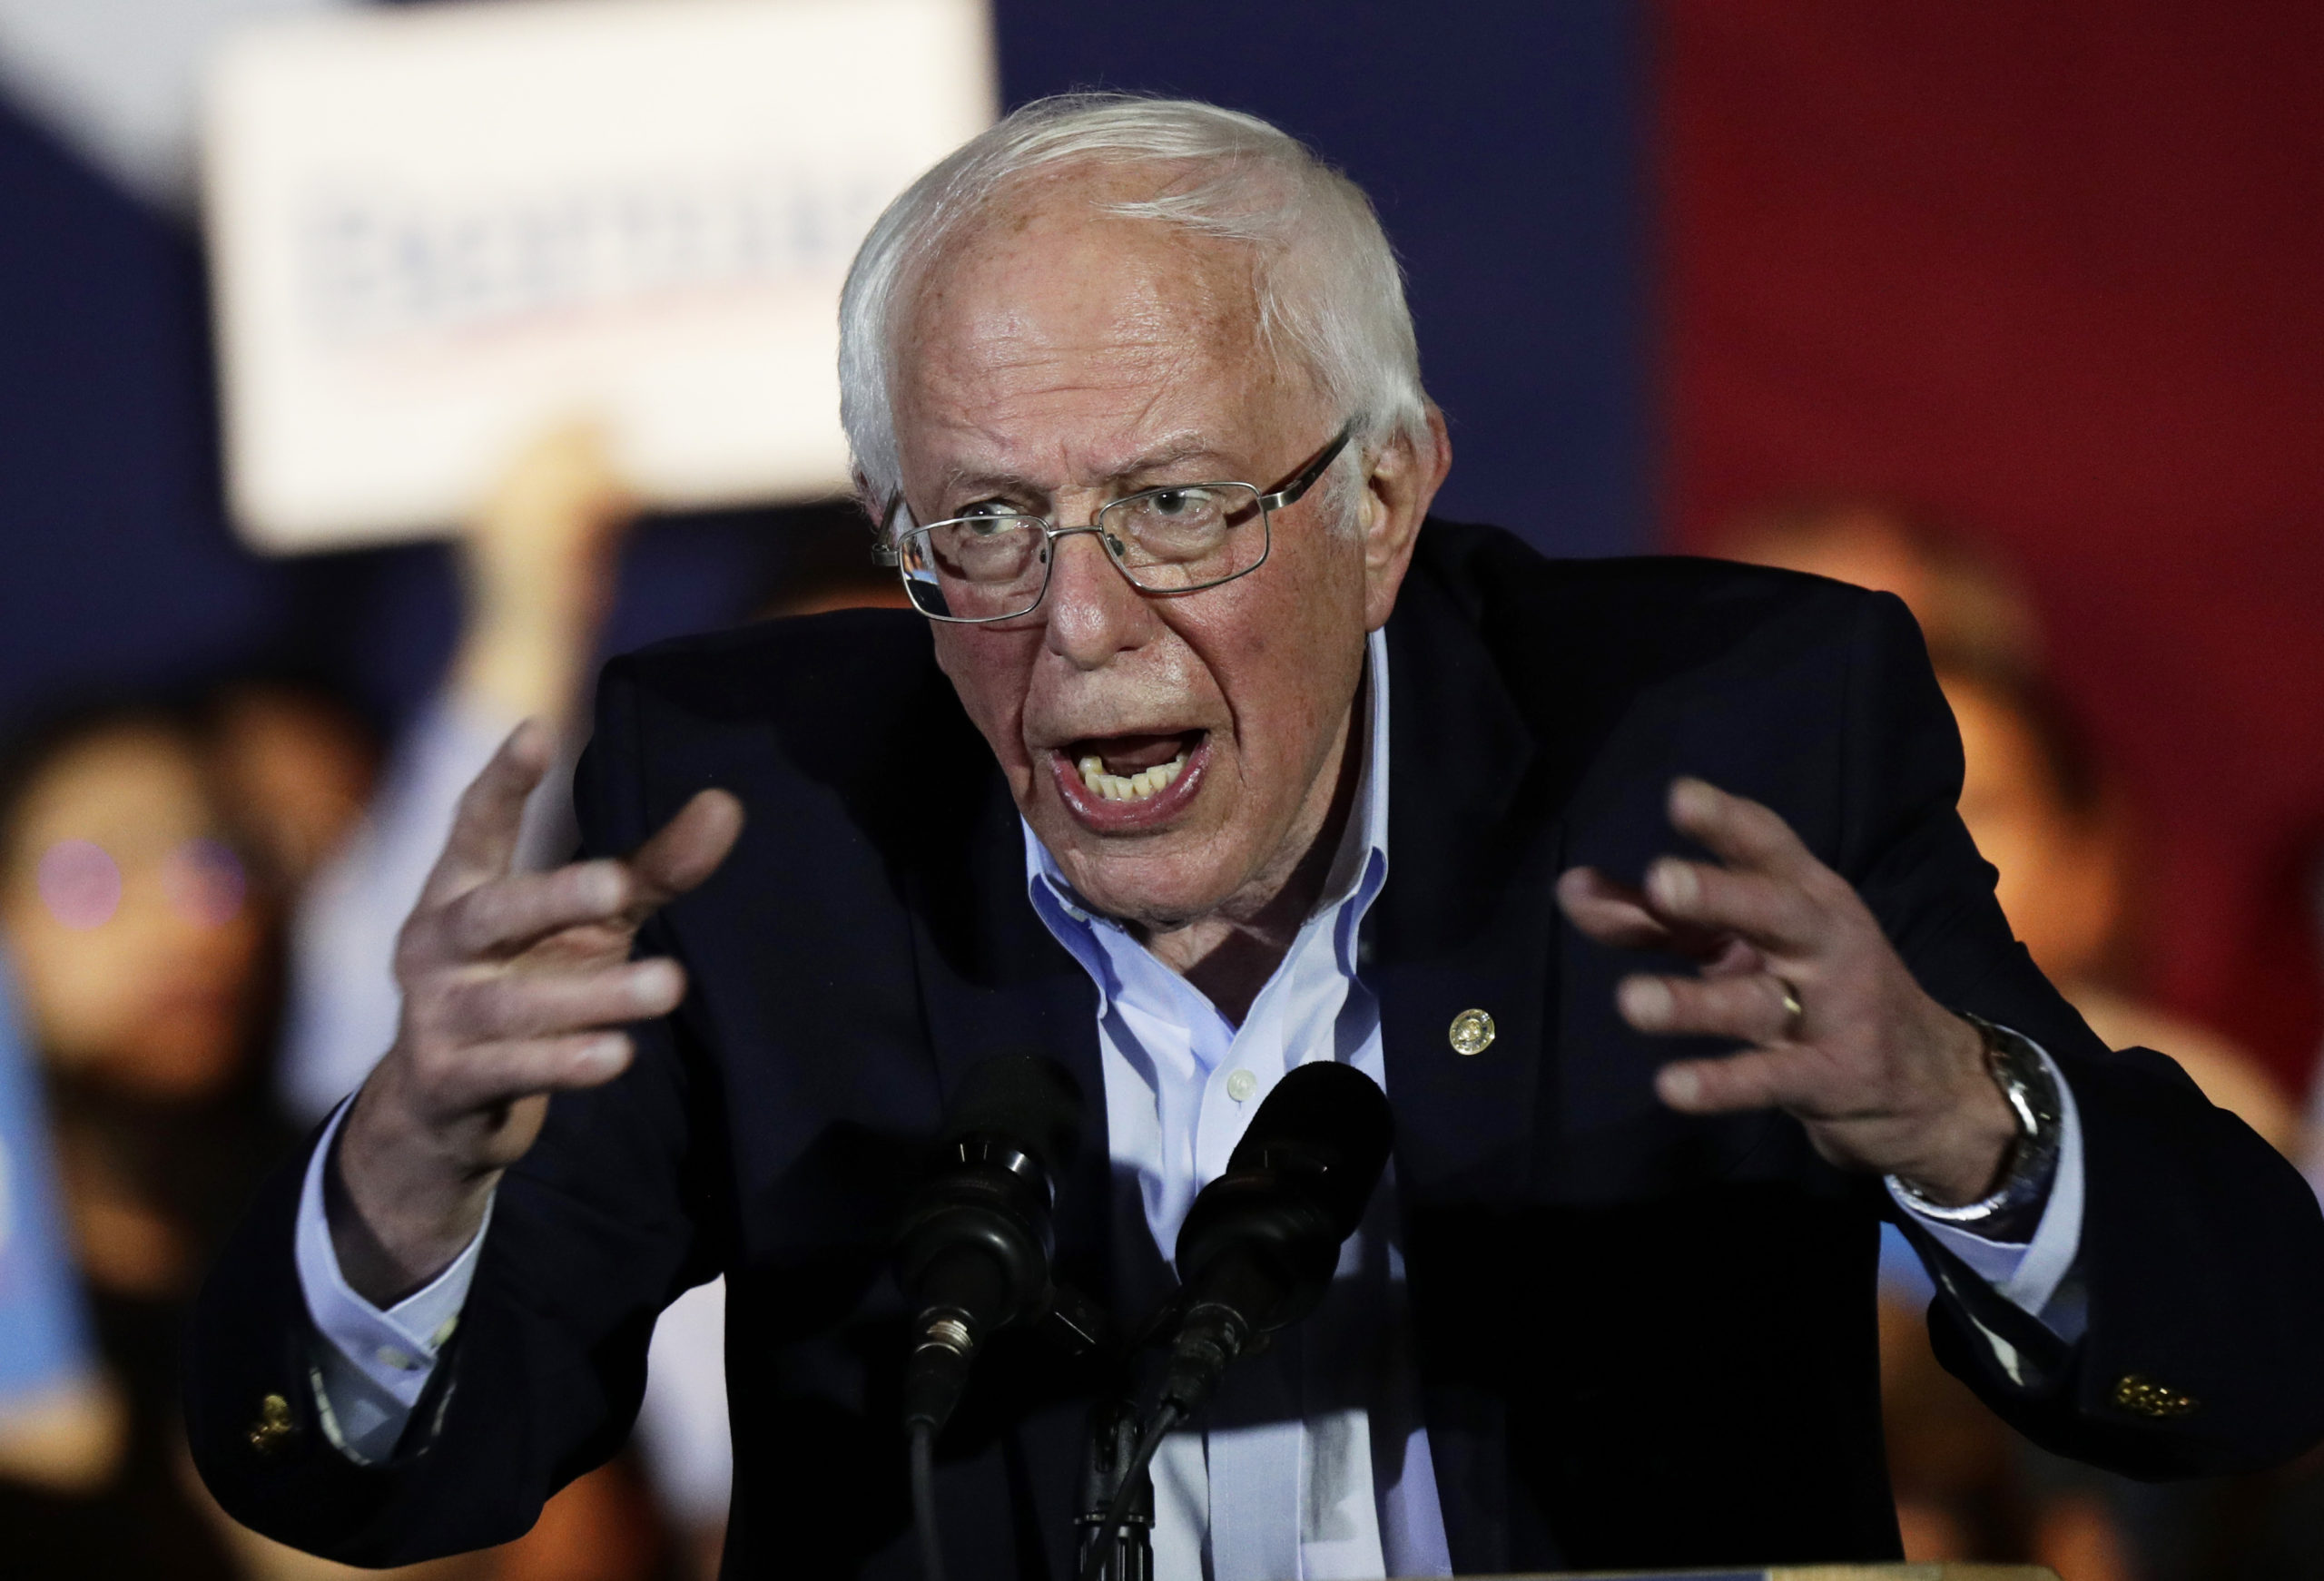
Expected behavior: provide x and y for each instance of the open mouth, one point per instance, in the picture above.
(1131, 779)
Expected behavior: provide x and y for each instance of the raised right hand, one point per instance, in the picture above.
(514, 986)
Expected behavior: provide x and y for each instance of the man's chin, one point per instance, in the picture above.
(1153, 888)
(1152, 910)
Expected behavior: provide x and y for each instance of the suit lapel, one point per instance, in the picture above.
(994, 981)
(1467, 922)
(1467, 919)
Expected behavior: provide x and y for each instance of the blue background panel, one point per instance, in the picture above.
(1502, 146)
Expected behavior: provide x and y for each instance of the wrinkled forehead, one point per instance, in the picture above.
(1048, 310)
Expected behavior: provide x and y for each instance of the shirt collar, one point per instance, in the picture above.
(1358, 869)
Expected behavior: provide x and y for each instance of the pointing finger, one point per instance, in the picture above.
(1615, 914)
(686, 850)
(1609, 912)
(1757, 1079)
(503, 916)
(519, 1005)
(1752, 1008)
(493, 1073)
(1775, 914)
(1738, 830)
(483, 841)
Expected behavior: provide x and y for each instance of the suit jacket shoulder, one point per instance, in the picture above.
(849, 700)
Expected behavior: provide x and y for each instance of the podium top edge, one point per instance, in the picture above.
(1905, 1572)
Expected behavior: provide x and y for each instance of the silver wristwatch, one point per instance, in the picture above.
(2023, 1078)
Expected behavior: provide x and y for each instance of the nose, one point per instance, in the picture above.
(1094, 612)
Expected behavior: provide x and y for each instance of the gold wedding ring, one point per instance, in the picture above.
(1793, 1012)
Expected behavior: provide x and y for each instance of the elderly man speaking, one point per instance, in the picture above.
(1637, 885)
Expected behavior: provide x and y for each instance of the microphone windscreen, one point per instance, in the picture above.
(1025, 1099)
(1330, 1123)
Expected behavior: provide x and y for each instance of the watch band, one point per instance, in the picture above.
(2026, 1083)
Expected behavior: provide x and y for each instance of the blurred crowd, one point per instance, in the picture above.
(199, 897)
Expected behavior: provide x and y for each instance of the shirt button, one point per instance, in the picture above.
(390, 1356)
(1241, 1085)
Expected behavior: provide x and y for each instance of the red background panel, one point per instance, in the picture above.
(2056, 271)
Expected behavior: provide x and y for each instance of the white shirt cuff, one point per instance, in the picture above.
(373, 1364)
(2030, 1276)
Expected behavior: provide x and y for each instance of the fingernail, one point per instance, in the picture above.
(602, 891)
(602, 1057)
(1645, 1002)
(1673, 883)
(653, 982)
(1690, 800)
(1680, 1087)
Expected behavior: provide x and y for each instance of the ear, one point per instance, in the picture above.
(866, 500)
(1400, 481)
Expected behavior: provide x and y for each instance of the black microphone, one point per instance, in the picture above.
(973, 1252)
(1259, 1248)
(1260, 1244)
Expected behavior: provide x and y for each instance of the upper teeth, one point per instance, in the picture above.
(1135, 787)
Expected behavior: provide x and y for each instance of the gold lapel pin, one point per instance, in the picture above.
(1471, 1033)
(274, 1428)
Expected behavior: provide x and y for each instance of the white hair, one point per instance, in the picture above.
(1330, 293)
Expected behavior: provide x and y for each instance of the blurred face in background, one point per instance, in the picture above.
(2060, 866)
(125, 913)
(1855, 544)
(300, 770)
(1970, 607)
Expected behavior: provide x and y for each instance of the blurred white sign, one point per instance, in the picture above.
(436, 232)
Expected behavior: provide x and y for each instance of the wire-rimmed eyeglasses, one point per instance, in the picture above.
(1181, 537)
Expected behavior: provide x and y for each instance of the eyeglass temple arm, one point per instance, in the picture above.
(1290, 493)
(883, 542)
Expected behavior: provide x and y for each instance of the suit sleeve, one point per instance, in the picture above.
(2201, 1259)
(606, 1219)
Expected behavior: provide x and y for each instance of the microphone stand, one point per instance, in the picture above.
(1125, 1539)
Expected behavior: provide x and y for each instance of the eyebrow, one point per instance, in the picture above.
(1170, 453)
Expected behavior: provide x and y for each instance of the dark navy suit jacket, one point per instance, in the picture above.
(1644, 1339)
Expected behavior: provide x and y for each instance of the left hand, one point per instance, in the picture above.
(1886, 1080)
